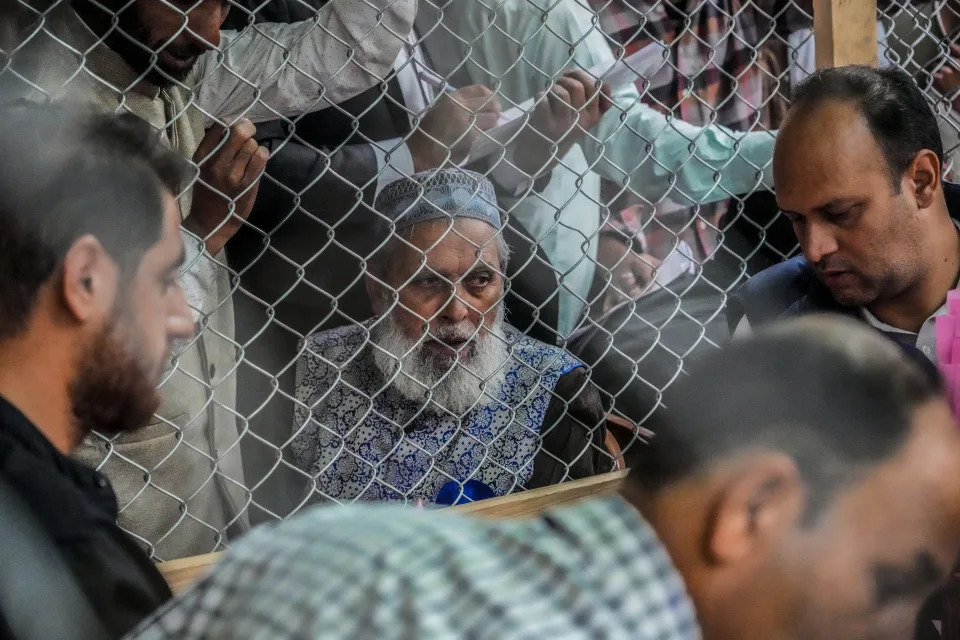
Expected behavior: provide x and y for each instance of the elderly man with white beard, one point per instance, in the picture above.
(436, 398)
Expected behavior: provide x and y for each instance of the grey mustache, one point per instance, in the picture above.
(453, 333)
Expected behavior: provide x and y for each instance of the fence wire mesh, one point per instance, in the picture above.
(346, 353)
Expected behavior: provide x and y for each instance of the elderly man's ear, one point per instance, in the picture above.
(378, 293)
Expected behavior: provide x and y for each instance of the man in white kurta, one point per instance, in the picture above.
(180, 481)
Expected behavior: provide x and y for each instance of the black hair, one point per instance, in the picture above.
(836, 396)
(894, 108)
(65, 174)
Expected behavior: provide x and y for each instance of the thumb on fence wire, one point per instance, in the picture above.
(562, 116)
(450, 126)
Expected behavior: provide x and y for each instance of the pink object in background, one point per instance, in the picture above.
(948, 348)
(953, 303)
(946, 327)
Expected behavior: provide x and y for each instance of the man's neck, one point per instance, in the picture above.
(35, 385)
(909, 310)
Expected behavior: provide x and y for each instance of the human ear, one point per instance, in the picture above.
(923, 177)
(89, 283)
(762, 497)
(375, 293)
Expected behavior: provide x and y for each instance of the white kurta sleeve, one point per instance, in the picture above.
(272, 70)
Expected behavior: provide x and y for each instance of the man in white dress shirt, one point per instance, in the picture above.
(858, 168)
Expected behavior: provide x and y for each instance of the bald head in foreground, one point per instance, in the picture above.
(816, 500)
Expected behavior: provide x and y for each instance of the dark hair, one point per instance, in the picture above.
(893, 106)
(65, 174)
(835, 395)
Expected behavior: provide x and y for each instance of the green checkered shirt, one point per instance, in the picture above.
(593, 570)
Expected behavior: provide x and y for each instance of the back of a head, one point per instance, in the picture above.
(832, 394)
(894, 108)
(64, 174)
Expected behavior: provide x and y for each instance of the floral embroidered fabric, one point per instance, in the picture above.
(362, 439)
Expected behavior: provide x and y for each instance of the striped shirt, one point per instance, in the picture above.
(592, 570)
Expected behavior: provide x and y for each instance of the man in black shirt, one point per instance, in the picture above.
(90, 249)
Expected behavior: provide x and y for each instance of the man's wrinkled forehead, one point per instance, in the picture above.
(439, 239)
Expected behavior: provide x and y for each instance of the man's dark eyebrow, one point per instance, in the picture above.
(838, 203)
(892, 582)
(829, 205)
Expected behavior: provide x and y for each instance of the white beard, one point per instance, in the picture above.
(452, 384)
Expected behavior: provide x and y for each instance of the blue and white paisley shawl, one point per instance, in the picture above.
(361, 441)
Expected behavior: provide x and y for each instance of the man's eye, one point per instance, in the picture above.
(428, 283)
(480, 280)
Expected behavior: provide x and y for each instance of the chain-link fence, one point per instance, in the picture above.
(509, 318)
(922, 38)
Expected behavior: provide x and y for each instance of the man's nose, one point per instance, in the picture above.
(456, 310)
(818, 242)
(204, 22)
(180, 325)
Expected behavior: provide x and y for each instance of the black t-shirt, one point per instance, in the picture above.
(78, 509)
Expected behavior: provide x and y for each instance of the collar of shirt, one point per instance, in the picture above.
(926, 339)
(99, 59)
(26, 456)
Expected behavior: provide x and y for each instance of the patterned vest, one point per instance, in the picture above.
(360, 440)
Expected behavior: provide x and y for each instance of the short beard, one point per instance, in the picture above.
(113, 393)
(449, 384)
(130, 40)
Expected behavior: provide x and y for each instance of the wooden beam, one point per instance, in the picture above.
(531, 503)
(845, 32)
(182, 573)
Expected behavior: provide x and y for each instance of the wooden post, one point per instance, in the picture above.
(845, 32)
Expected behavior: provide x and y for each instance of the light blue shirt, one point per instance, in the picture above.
(518, 48)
